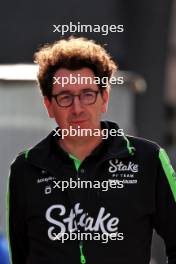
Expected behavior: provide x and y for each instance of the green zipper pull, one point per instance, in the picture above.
(82, 257)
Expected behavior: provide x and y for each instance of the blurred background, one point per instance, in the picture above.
(145, 52)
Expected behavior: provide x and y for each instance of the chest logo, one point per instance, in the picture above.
(126, 172)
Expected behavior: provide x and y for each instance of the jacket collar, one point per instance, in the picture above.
(45, 154)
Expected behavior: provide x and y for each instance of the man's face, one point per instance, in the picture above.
(78, 114)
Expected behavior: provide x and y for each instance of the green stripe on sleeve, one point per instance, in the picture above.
(169, 171)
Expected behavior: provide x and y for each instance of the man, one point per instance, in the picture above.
(84, 198)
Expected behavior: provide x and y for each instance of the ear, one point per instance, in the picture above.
(105, 97)
(49, 106)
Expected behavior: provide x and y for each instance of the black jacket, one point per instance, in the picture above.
(143, 199)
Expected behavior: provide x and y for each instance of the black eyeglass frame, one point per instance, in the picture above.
(75, 95)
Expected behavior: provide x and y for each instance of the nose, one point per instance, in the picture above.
(77, 107)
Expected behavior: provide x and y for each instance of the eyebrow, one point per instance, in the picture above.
(70, 92)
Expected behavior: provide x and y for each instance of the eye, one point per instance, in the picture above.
(88, 94)
(64, 96)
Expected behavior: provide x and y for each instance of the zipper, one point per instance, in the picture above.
(82, 257)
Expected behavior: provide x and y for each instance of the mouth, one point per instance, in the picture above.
(78, 122)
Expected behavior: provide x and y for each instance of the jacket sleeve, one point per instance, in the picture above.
(16, 215)
(165, 213)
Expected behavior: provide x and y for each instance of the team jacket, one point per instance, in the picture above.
(118, 221)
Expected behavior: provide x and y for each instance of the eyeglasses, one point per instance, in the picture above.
(86, 97)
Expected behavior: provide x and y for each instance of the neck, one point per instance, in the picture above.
(80, 147)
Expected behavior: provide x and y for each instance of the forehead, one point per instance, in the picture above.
(73, 80)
